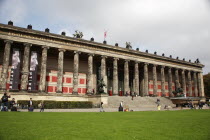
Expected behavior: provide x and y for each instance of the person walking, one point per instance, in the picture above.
(30, 105)
(42, 106)
(101, 107)
(121, 106)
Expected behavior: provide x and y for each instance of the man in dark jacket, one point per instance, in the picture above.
(4, 100)
(30, 105)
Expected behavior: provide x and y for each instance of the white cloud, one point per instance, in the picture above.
(13, 10)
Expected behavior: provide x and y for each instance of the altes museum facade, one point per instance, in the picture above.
(50, 66)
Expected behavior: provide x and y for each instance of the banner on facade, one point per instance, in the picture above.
(15, 70)
(32, 80)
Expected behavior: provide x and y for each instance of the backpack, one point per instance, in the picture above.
(4, 99)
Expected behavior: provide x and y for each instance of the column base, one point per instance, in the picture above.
(3, 89)
(14, 90)
(89, 93)
(75, 93)
(60, 92)
(42, 91)
(33, 91)
(24, 90)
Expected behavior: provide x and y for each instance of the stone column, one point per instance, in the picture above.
(146, 79)
(42, 82)
(177, 84)
(184, 82)
(115, 77)
(154, 71)
(189, 83)
(162, 80)
(90, 74)
(136, 75)
(76, 72)
(200, 83)
(4, 72)
(103, 71)
(25, 67)
(60, 70)
(195, 84)
(126, 77)
(170, 82)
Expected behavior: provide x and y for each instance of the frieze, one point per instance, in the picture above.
(101, 50)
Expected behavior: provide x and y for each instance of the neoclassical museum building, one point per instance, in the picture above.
(45, 65)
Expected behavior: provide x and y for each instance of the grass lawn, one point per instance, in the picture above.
(149, 125)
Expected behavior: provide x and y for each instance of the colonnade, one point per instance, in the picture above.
(197, 76)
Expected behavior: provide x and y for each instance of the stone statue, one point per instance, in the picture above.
(101, 86)
(128, 45)
(78, 34)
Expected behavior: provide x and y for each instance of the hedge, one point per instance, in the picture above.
(57, 104)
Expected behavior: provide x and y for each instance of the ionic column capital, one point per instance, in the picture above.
(77, 52)
(8, 41)
(145, 63)
(183, 70)
(154, 65)
(45, 47)
(61, 50)
(162, 66)
(169, 67)
(127, 60)
(115, 58)
(91, 54)
(104, 56)
(27, 44)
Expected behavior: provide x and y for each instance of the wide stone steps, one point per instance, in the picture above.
(137, 102)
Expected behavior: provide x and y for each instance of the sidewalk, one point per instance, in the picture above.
(106, 109)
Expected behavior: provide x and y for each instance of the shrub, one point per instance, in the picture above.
(58, 104)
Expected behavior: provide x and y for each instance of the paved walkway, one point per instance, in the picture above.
(106, 109)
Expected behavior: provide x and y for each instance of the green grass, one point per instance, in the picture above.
(150, 125)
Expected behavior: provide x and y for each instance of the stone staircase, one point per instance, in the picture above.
(137, 102)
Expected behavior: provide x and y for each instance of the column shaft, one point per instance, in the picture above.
(126, 77)
(200, 83)
(177, 79)
(76, 72)
(5, 66)
(195, 84)
(42, 82)
(162, 80)
(170, 82)
(25, 68)
(146, 80)
(136, 81)
(115, 77)
(90, 74)
(60, 71)
(154, 70)
(184, 82)
(189, 83)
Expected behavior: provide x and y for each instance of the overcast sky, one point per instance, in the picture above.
(174, 27)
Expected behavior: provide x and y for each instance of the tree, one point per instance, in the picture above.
(206, 80)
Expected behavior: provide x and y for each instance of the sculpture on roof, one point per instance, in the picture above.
(78, 34)
(128, 45)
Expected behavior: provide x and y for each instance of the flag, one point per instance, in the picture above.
(105, 34)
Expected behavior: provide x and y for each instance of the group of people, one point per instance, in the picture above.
(192, 106)
(6, 104)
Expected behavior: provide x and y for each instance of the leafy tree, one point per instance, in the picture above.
(206, 79)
